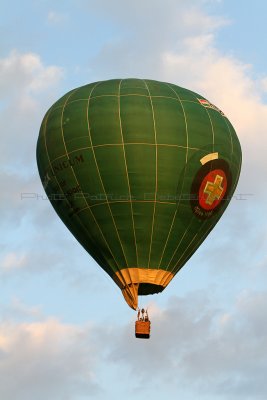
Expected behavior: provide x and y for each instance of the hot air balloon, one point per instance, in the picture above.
(140, 171)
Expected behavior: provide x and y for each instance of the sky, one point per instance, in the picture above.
(65, 331)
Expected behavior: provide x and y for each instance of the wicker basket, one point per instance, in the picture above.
(142, 329)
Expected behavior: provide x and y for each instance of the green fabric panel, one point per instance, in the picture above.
(185, 94)
(190, 232)
(53, 130)
(103, 215)
(236, 156)
(41, 154)
(133, 87)
(142, 174)
(158, 89)
(143, 216)
(130, 91)
(104, 112)
(221, 132)
(170, 165)
(110, 161)
(182, 255)
(79, 142)
(198, 125)
(90, 184)
(68, 182)
(81, 93)
(62, 204)
(141, 129)
(164, 214)
(107, 88)
(74, 120)
(64, 183)
(133, 83)
(123, 217)
(185, 178)
(60, 103)
(170, 121)
(181, 220)
(99, 246)
(145, 139)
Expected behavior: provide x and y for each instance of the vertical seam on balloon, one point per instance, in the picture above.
(194, 237)
(186, 159)
(180, 242)
(213, 133)
(239, 169)
(51, 167)
(213, 137)
(185, 120)
(156, 174)
(227, 122)
(127, 174)
(231, 137)
(240, 161)
(201, 239)
(193, 216)
(100, 178)
(177, 262)
(232, 146)
(212, 129)
(220, 213)
(92, 148)
(74, 174)
(63, 138)
(89, 97)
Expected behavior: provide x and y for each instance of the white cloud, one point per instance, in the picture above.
(185, 53)
(220, 76)
(263, 83)
(55, 17)
(233, 356)
(17, 195)
(218, 352)
(24, 73)
(17, 310)
(13, 261)
(195, 343)
(46, 360)
(177, 43)
(147, 31)
(25, 94)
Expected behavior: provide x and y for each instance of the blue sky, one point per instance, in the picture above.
(65, 330)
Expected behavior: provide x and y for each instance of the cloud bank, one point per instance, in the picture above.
(216, 350)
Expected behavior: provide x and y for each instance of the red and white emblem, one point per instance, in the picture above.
(212, 189)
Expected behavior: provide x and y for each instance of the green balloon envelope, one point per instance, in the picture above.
(140, 172)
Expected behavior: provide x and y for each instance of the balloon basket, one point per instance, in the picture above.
(142, 329)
